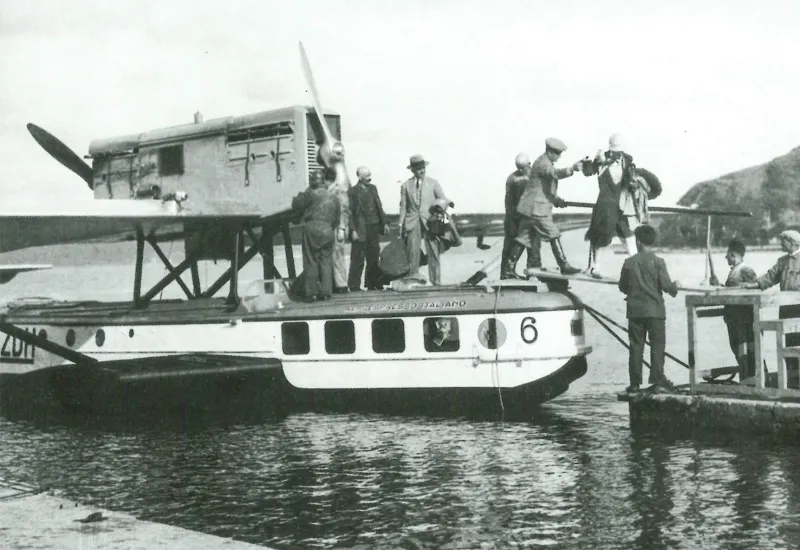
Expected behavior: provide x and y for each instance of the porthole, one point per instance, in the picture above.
(100, 338)
(492, 333)
(70, 337)
(43, 334)
(130, 333)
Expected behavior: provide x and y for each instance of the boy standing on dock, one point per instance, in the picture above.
(643, 280)
(739, 319)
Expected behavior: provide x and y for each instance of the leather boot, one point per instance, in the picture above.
(534, 255)
(509, 268)
(561, 258)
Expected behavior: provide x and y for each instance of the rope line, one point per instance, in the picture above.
(495, 365)
(594, 313)
(612, 333)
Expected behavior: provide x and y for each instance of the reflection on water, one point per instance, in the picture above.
(575, 476)
(561, 480)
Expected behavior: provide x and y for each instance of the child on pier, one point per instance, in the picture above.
(644, 279)
(739, 319)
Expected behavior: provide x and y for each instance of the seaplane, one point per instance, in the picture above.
(224, 188)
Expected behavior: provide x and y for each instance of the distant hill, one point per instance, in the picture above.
(771, 191)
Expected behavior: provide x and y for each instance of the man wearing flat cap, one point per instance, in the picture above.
(367, 224)
(535, 208)
(417, 195)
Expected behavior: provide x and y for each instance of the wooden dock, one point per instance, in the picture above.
(715, 407)
(39, 520)
(767, 403)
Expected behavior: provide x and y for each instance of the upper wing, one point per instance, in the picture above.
(115, 219)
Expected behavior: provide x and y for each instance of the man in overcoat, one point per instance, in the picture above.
(367, 224)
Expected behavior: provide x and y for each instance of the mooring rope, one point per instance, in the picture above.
(495, 366)
(611, 332)
(595, 314)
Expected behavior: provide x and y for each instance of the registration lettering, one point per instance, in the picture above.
(17, 351)
(409, 306)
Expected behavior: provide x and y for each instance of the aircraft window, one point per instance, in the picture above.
(388, 336)
(441, 334)
(340, 337)
(261, 132)
(170, 160)
(294, 337)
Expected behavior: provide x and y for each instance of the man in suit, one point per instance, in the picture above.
(367, 223)
(535, 208)
(417, 195)
(643, 280)
(515, 183)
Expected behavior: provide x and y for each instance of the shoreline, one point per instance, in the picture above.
(30, 518)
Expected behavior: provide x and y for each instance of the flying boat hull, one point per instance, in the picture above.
(459, 350)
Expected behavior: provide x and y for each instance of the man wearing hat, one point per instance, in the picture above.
(417, 195)
(535, 208)
(614, 213)
(367, 223)
(786, 273)
(515, 183)
(339, 191)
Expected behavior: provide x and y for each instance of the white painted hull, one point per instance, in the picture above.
(473, 365)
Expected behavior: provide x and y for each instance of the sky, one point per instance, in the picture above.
(697, 89)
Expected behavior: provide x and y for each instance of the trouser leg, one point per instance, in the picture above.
(339, 259)
(372, 252)
(434, 267)
(656, 328)
(326, 271)
(356, 265)
(535, 252)
(413, 241)
(637, 330)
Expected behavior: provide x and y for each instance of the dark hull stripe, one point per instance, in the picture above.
(86, 391)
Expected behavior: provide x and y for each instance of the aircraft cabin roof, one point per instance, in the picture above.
(121, 144)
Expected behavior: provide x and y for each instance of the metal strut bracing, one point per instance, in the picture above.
(40, 341)
(240, 257)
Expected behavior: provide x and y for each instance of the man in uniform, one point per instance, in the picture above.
(535, 208)
(515, 183)
(320, 212)
(339, 259)
(367, 223)
(417, 195)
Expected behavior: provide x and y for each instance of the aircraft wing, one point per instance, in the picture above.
(110, 219)
(8, 272)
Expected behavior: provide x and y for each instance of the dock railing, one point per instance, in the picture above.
(772, 312)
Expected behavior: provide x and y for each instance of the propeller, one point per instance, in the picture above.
(63, 154)
(332, 151)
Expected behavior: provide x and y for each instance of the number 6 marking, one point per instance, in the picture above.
(528, 330)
